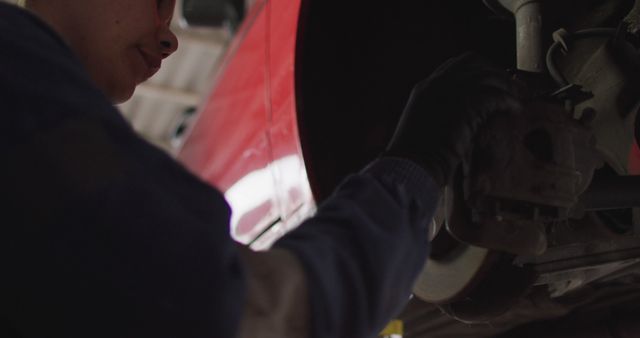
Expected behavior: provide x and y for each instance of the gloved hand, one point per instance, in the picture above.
(446, 110)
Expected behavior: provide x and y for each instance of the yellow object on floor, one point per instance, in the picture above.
(394, 329)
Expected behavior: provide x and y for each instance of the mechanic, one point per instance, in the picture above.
(106, 236)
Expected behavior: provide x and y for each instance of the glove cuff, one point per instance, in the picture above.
(403, 172)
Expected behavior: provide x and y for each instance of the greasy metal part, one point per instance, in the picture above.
(572, 93)
(612, 76)
(614, 192)
(528, 17)
(529, 37)
(525, 172)
(633, 19)
(567, 267)
(563, 41)
(566, 257)
(562, 282)
(603, 62)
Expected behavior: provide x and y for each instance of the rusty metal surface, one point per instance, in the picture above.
(526, 171)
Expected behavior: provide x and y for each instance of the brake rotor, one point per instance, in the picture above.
(470, 283)
(453, 267)
(450, 278)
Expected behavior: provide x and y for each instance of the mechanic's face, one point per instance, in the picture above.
(121, 42)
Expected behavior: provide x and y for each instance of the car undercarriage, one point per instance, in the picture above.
(540, 233)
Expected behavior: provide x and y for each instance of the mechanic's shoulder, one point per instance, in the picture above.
(21, 28)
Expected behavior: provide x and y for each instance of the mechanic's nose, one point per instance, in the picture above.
(168, 42)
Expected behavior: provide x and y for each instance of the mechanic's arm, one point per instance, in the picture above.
(361, 254)
(362, 251)
(111, 238)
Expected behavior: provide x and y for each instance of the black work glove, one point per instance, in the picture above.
(446, 110)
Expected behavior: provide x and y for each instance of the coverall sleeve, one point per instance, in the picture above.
(358, 268)
(364, 248)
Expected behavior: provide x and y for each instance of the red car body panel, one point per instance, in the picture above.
(245, 140)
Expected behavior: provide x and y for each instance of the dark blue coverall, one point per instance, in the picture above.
(103, 235)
